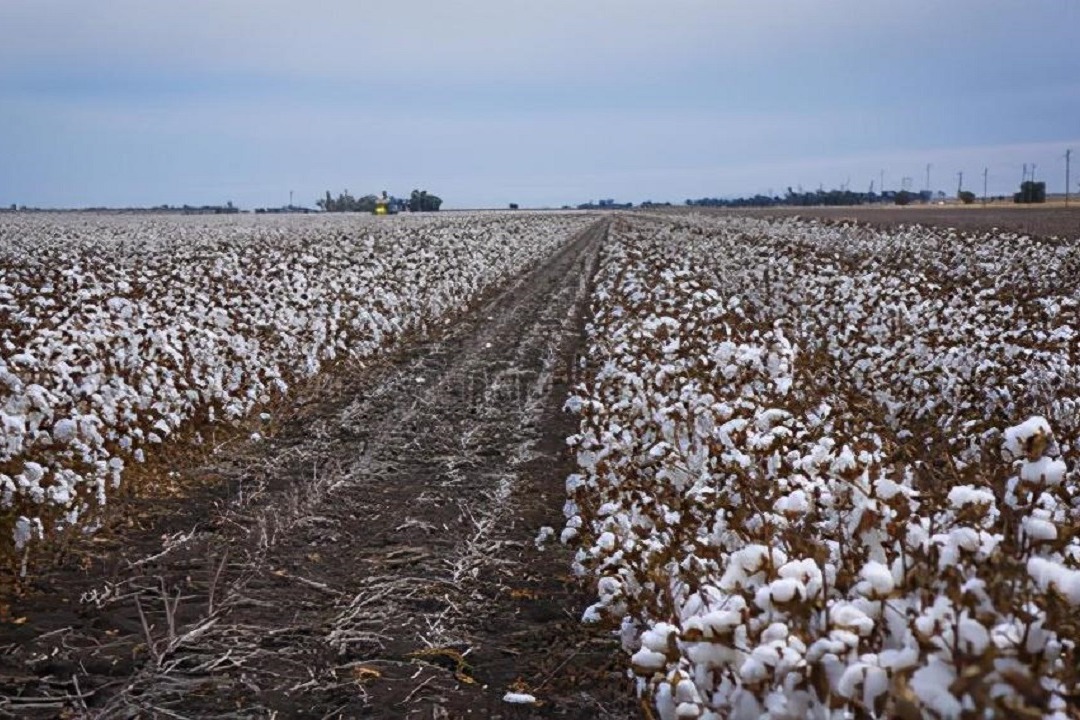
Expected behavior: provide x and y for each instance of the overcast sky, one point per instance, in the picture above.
(545, 102)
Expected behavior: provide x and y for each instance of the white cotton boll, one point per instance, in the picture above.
(542, 537)
(23, 532)
(805, 571)
(753, 671)
(688, 710)
(875, 684)
(795, 503)
(851, 680)
(825, 646)
(1039, 530)
(776, 632)
(686, 692)
(780, 592)
(1017, 438)
(844, 462)
(706, 655)
(846, 616)
(784, 703)
(8, 489)
(962, 495)
(745, 706)
(1044, 471)
(974, 637)
(887, 489)
(609, 587)
(1048, 574)
(931, 685)
(665, 703)
(646, 661)
(899, 659)
(606, 541)
(747, 563)
(33, 473)
(64, 431)
(716, 624)
(660, 638)
(879, 580)
(965, 538)
(60, 493)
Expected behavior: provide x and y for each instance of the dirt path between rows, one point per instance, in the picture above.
(374, 558)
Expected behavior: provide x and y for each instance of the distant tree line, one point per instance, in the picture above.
(419, 201)
(800, 198)
(608, 204)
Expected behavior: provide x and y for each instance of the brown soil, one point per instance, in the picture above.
(1022, 219)
(374, 558)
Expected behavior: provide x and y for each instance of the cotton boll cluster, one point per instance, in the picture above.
(796, 465)
(120, 331)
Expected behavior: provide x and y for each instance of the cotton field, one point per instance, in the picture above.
(116, 332)
(830, 471)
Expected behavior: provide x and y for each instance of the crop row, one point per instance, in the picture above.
(115, 332)
(829, 471)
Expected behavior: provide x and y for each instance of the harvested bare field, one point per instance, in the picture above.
(1044, 221)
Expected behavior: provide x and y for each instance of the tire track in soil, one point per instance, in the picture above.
(378, 560)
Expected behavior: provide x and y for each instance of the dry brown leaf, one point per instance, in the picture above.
(362, 673)
(523, 594)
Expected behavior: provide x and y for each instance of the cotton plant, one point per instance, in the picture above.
(796, 493)
(122, 332)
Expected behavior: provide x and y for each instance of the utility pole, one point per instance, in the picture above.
(1068, 157)
(290, 199)
(928, 166)
(1024, 179)
(881, 185)
(986, 174)
(960, 183)
(1032, 172)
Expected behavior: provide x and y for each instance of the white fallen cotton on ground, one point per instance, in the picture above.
(516, 698)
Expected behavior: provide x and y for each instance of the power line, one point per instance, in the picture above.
(1068, 156)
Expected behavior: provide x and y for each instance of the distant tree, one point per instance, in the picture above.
(347, 203)
(903, 197)
(1031, 192)
(513, 206)
(421, 201)
(967, 197)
